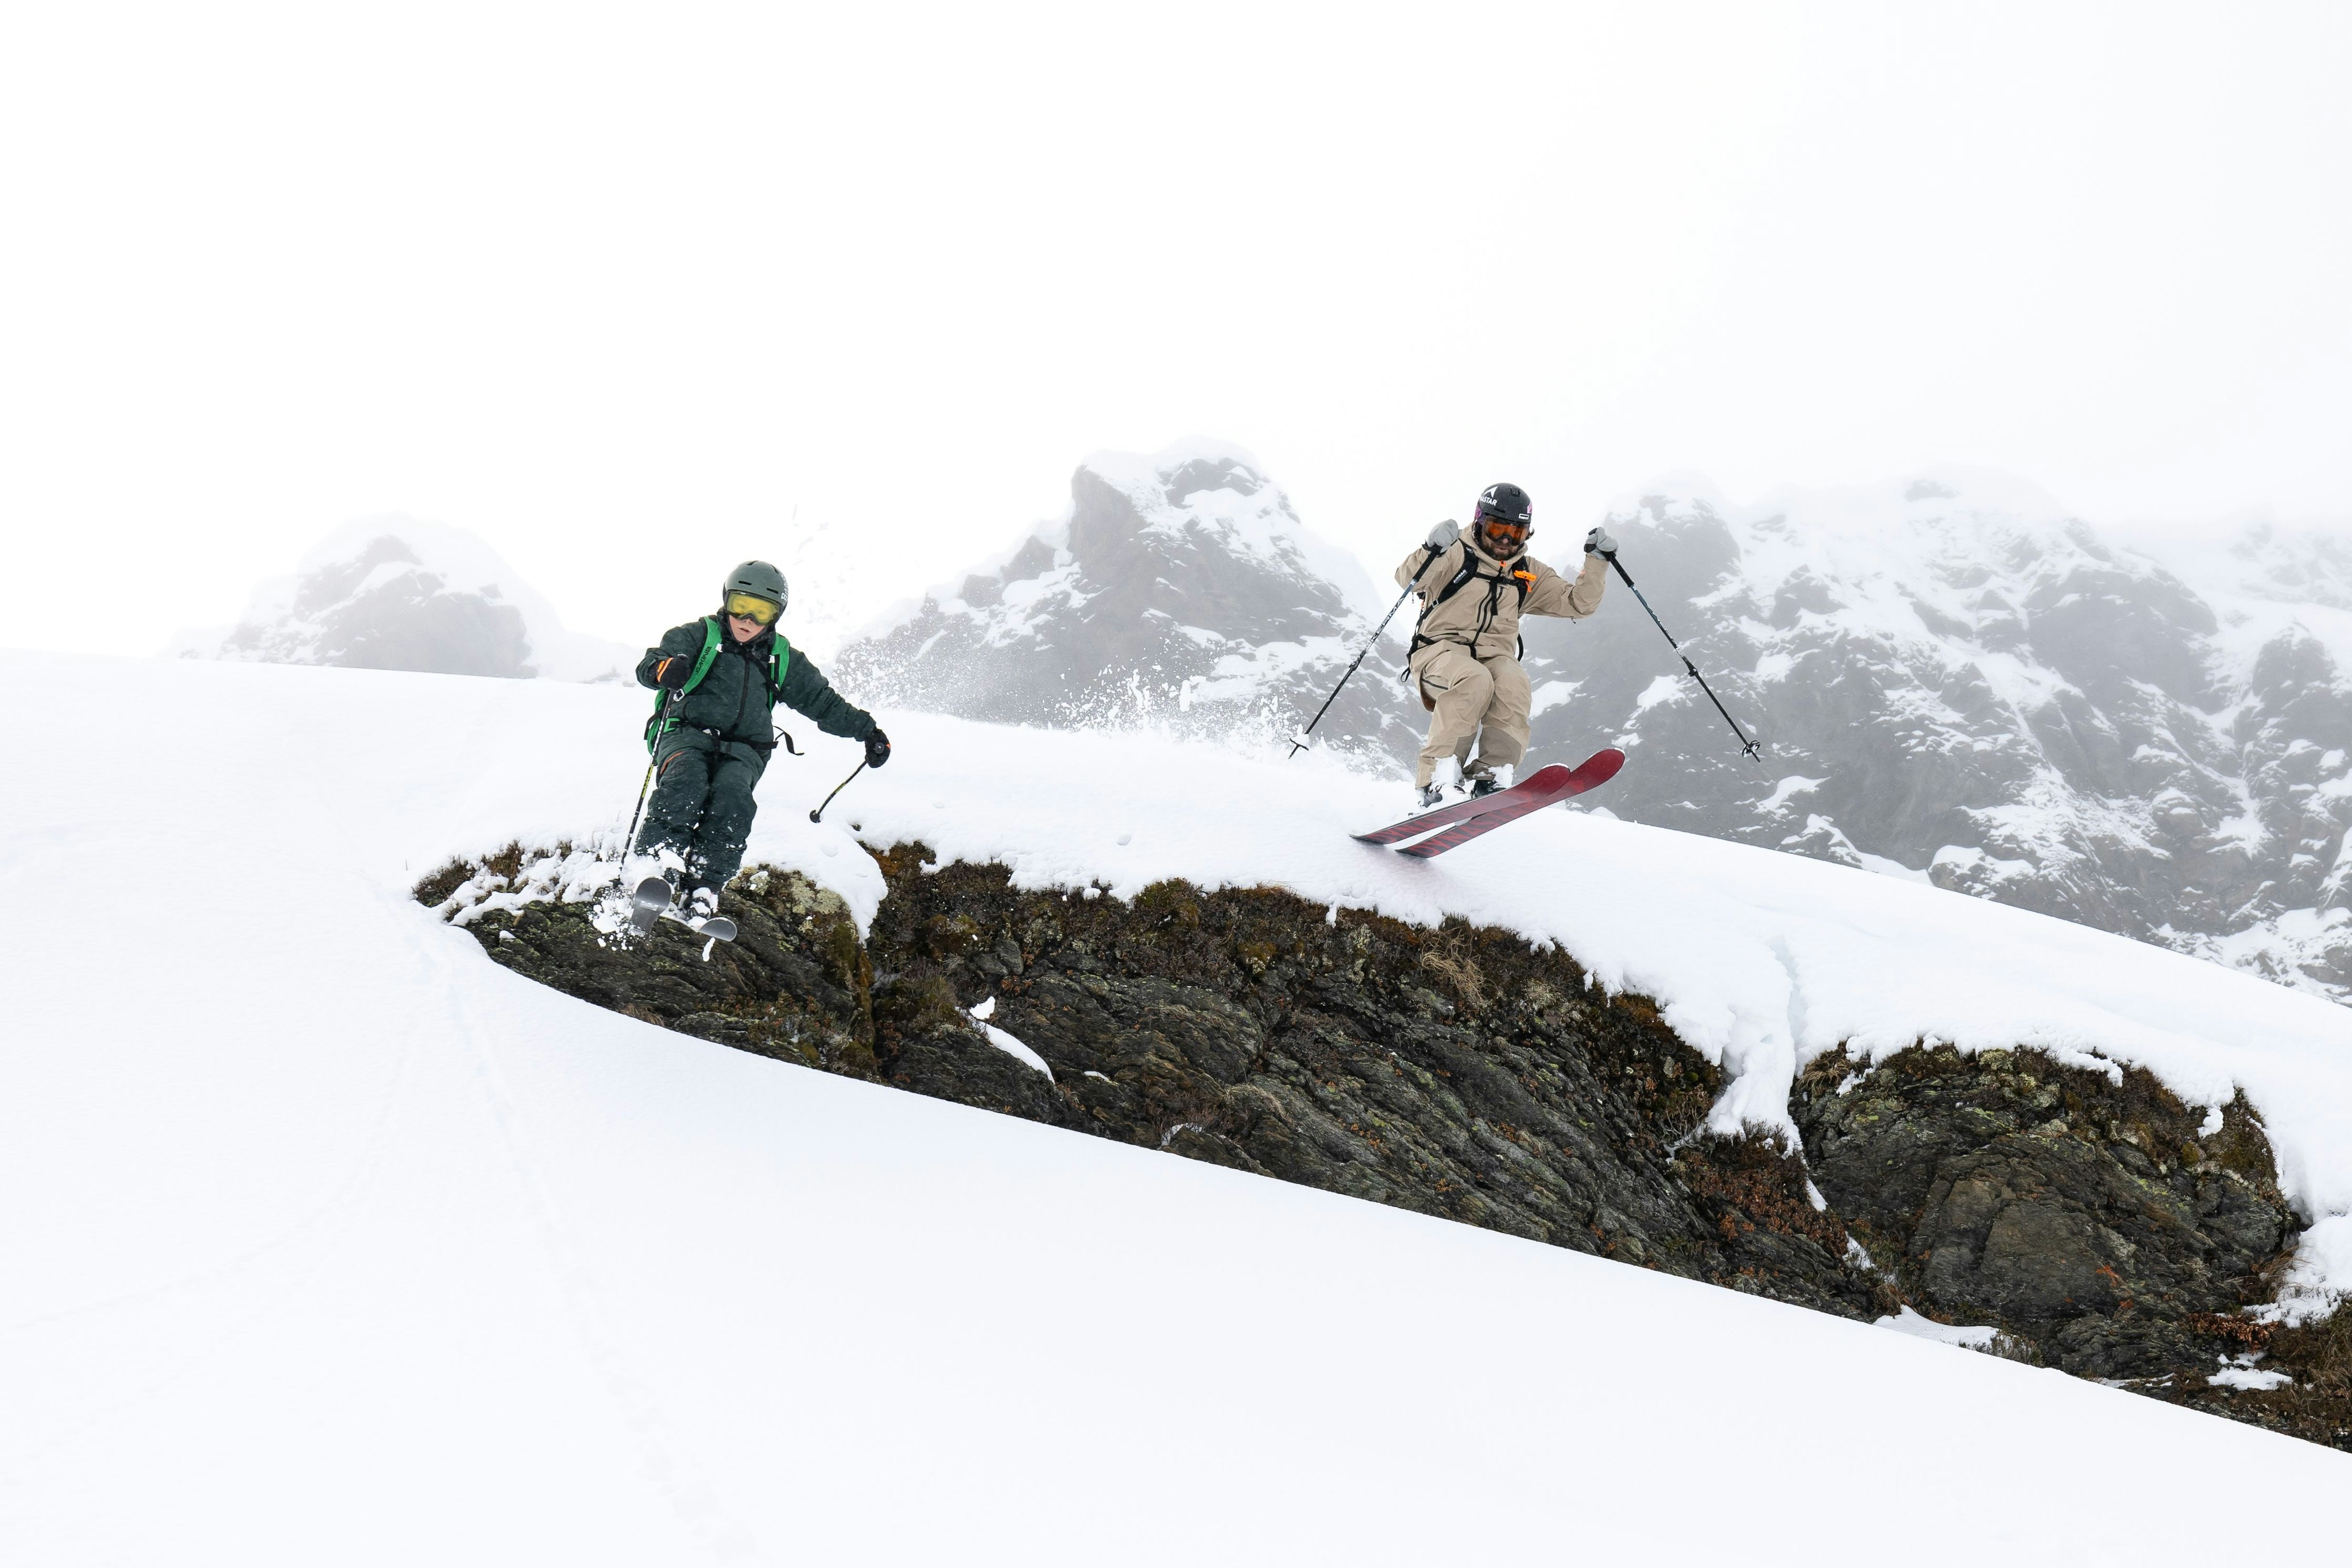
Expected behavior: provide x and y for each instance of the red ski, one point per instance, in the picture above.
(1466, 820)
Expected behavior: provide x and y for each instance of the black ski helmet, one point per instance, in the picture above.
(1503, 519)
(760, 579)
(1508, 502)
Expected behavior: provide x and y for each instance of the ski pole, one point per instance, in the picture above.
(1299, 741)
(818, 815)
(1746, 745)
(630, 843)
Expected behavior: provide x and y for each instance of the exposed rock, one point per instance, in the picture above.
(1455, 1072)
(794, 984)
(2083, 1212)
(1461, 1073)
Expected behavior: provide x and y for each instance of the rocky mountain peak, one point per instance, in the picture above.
(1178, 588)
(1958, 681)
(397, 593)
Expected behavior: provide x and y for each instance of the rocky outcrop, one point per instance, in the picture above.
(2095, 1218)
(1455, 1072)
(1460, 1072)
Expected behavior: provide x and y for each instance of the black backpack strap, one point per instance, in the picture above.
(1461, 579)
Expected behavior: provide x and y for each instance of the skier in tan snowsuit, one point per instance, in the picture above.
(1465, 660)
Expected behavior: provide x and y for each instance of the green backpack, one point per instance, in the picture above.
(780, 659)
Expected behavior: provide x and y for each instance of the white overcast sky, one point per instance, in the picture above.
(620, 287)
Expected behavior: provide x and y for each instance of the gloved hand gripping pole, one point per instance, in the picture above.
(1299, 741)
(1746, 745)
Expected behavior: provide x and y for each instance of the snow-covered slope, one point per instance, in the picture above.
(330, 1240)
(397, 593)
(1179, 589)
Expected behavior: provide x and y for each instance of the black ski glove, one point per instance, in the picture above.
(673, 673)
(877, 748)
(1597, 542)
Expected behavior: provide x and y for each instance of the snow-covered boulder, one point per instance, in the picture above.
(396, 593)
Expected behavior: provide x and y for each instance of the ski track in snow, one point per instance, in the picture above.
(329, 1240)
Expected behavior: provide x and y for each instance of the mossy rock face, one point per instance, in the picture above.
(2080, 1212)
(1460, 1072)
(794, 984)
(1456, 1072)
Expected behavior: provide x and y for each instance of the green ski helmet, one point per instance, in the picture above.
(759, 579)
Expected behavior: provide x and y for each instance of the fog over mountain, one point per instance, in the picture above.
(1179, 589)
(1959, 682)
(1955, 680)
(398, 594)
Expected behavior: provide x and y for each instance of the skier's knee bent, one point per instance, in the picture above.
(1475, 588)
(1458, 690)
(1503, 728)
(725, 823)
(721, 678)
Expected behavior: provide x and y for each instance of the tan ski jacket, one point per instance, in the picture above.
(1482, 614)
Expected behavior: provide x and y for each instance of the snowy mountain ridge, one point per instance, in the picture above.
(1178, 588)
(1959, 680)
(397, 592)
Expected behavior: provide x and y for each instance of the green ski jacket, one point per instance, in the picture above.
(733, 702)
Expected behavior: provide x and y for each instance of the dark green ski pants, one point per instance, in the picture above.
(702, 806)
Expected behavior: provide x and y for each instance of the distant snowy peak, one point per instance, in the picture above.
(1199, 495)
(395, 593)
(1193, 507)
(1179, 587)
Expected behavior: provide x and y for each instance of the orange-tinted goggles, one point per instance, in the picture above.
(751, 607)
(1496, 528)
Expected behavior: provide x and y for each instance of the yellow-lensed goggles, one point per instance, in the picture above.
(751, 607)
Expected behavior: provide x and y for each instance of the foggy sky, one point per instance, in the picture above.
(619, 289)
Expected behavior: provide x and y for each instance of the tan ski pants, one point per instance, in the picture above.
(1470, 694)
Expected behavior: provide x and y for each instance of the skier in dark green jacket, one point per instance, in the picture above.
(712, 745)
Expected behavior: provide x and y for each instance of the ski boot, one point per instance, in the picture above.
(1486, 781)
(697, 910)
